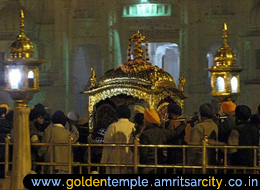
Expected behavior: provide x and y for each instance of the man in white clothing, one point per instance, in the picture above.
(119, 132)
(57, 134)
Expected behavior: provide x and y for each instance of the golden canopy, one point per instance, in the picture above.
(132, 81)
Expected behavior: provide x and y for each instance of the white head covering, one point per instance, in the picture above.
(138, 109)
(73, 116)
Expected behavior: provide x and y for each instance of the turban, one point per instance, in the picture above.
(59, 118)
(6, 107)
(39, 106)
(151, 116)
(73, 116)
(228, 107)
(174, 108)
(36, 112)
(138, 109)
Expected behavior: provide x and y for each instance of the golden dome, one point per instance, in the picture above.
(149, 79)
(22, 47)
(138, 71)
(225, 55)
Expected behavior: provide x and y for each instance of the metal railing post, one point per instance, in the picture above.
(136, 160)
(7, 143)
(225, 159)
(52, 147)
(89, 157)
(70, 154)
(204, 154)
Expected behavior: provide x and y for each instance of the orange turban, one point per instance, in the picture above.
(151, 116)
(5, 106)
(228, 107)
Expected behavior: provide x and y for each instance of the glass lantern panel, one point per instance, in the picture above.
(31, 79)
(234, 85)
(30, 75)
(15, 77)
(220, 84)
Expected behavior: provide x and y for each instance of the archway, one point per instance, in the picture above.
(86, 56)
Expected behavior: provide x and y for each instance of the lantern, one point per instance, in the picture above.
(22, 81)
(21, 69)
(225, 77)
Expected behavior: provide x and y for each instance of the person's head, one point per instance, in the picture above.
(4, 109)
(2, 112)
(39, 106)
(228, 107)
(73, 117)
(58, 118)
(139, 118)
(37, 115)
(207, 111)
(123, 111)
(40, 119)
(174, 111)
(243, 112)
(151, 116)
(138, 109)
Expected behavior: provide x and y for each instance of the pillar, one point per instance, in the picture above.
(21, 163)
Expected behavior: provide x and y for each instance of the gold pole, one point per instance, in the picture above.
(255, 160)
(204, 154)
(22, 163)
(136, 157)
(51, 158)
(225, 160)
(7, 142)
(184, 159)
(89, 157)
(70, 154)
(156, 159)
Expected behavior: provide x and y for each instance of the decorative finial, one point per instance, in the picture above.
(22, 48)
(225, 34)
(182, 81)
(225, 26)
(93, 78)
(22, 23)
(138, 52)
(137, 64)
(225, 55)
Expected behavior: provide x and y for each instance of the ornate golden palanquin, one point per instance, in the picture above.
(136, 81)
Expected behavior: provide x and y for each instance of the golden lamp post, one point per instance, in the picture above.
(22, 81)
(225, 78)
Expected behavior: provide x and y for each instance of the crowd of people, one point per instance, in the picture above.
(55, 129)
(232, 125)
